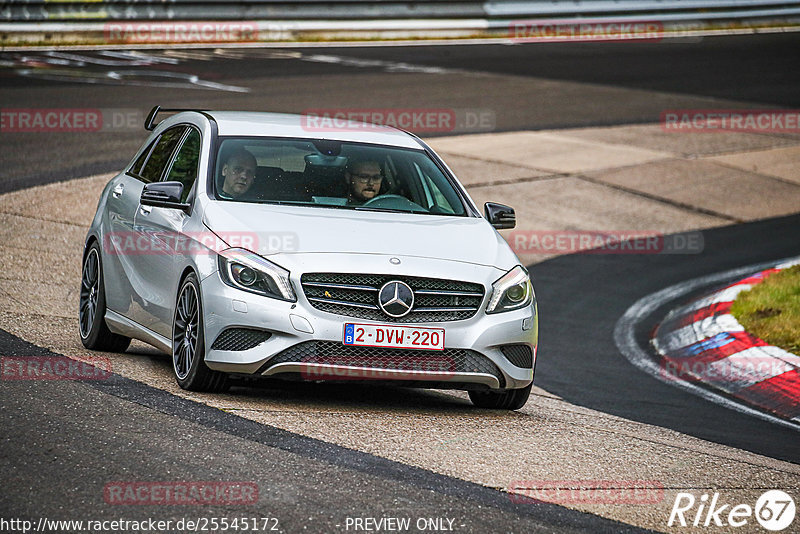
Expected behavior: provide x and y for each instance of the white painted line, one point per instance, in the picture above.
(131, 77)
(134, 55)
(389, 66)
(627, 344)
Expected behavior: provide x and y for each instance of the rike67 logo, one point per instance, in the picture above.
(774, 510)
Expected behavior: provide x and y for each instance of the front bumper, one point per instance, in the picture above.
(306, 342)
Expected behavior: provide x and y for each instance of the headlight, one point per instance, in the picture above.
(512, 291)
(247, 271)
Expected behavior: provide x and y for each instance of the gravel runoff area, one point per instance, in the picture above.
(629, 178)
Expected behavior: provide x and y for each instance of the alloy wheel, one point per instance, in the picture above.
(90, 288)
(184, 334)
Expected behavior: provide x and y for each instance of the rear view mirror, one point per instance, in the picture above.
(322, 160)
(164, 195)
(500, 216)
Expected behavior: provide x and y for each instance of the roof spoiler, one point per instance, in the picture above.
(150, 124)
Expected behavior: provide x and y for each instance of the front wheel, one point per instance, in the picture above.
(188, 346)
(512, 399)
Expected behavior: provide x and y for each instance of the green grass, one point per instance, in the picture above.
(771, 309)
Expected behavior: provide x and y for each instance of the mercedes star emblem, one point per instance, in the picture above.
(395, 298)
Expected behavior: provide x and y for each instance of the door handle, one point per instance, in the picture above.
(117, 192)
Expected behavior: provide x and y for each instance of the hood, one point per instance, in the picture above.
(278, 230)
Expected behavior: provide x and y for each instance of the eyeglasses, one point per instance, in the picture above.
(364, 178)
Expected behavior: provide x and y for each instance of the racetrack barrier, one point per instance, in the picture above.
(119, 22)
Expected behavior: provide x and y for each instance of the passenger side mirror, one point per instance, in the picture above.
(164, 195)
(500, 216)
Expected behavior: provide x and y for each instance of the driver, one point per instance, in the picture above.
(364, 180)
(239, 171)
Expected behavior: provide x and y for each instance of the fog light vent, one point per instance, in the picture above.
(239, 339)
(518, 355)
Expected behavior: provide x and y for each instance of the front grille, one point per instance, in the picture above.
(519, 355)
(356, 295)
(440, 362)
(239, 339)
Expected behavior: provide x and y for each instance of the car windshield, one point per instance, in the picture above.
(333, 174)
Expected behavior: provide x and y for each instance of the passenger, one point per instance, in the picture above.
(364, 180)
(238, 172)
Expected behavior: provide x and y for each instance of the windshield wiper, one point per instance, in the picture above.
(300, 203)
(389, 210)
(338, 206)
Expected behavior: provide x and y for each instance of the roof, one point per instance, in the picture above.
(248, 123)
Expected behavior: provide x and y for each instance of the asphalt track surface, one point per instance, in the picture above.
(69, 432)
(582, 296)
(525, 87)
(66, 440)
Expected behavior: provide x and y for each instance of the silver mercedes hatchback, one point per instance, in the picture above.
(250, 244)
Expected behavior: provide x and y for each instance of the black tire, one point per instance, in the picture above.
(512, 399)
(94, 332)
(188, 345)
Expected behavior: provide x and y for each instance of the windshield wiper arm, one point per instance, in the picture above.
(390, 210)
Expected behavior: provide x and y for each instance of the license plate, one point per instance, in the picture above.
(386, 335)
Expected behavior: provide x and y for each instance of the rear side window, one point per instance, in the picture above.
(184, 166)
(160, 155)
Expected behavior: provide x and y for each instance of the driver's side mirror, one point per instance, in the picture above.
(164, 195)
(500, 216)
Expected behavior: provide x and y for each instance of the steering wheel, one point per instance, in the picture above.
(394, 202)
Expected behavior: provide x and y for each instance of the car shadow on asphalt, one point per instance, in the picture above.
(247, 392)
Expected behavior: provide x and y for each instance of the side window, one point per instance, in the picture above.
(160, 156)
(439, 200)
(184, 166)
(435, 193)
(137, 167)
